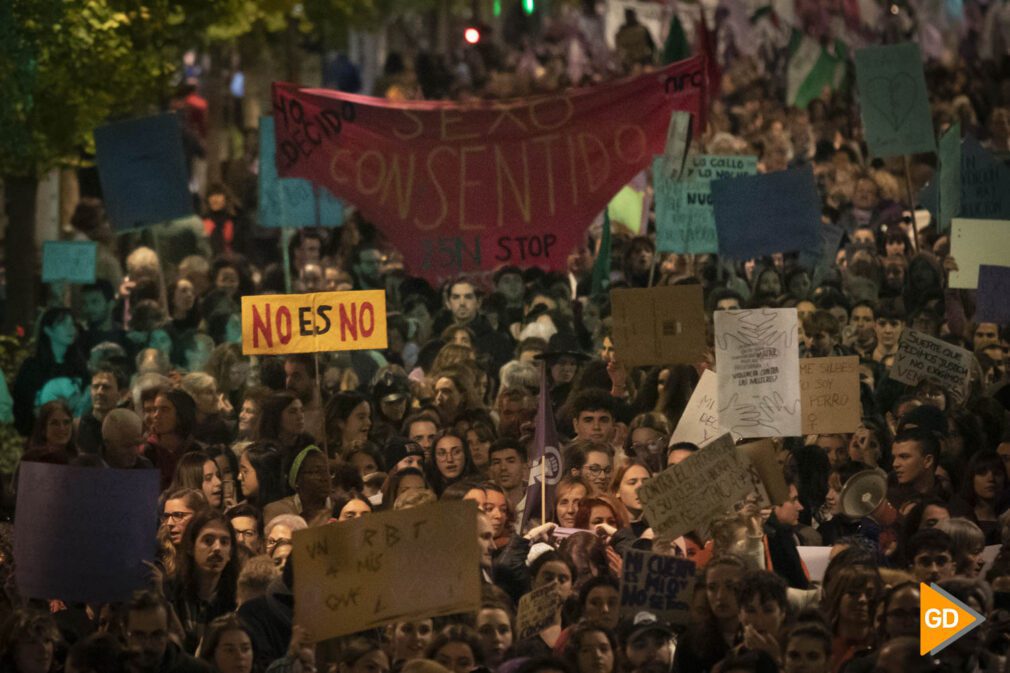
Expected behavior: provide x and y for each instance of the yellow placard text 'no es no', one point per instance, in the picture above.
(313, 323)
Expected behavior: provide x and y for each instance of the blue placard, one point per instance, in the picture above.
(760, 215)
(291, 202)
(992, 301)
(83, 532)
(70, 261)
(143, 172)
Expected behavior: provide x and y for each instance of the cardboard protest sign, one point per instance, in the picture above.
(921, 356)
(765, 465)
(662, 585)
(977, 242)
(763, 214)
(313, 323)
(143, 171)
(83, 533)
(985, 184)
(893, 100)
(699, 424)
(992, 301)
(949, 170)
(468, 187)
(829, 394)
(757, 364)
(686, 496)
(685, 220)
(659, 325)
(291, 202)
(70, 261)
(816, 560)
(538, 609)
(390, 566)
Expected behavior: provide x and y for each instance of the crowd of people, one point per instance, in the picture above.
(144, 369)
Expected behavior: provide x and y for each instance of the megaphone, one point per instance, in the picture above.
(865, 495)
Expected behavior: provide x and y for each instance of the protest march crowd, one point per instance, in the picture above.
(629, 516)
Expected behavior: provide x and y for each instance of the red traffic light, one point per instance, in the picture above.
(471, 35)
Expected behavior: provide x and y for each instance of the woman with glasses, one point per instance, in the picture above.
(278, 535)
(648, 437)
(452, 461)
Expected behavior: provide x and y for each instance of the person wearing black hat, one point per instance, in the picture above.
(391, 400)
(401, 453)
(563, 358)
(647, 641)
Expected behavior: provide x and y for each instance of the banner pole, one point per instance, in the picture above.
(911, 204)
(319, 392)
(286, 257)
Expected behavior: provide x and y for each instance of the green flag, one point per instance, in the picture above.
(676, 47)
(601, 268)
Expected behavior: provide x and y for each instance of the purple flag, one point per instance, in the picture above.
(544, 451)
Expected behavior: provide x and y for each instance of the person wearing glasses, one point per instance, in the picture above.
(150, 650)
(248, 524)
(452, 462)
(279, 531)
(591, 460)
(179, 508)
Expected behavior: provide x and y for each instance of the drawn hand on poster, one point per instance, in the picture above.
(758, 369)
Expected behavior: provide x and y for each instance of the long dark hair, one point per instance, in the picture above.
(267, 459)
(38, 437)
(189, 470)
(435, 477)
(271, 408)
(44, 348)
(186, 576)
(339, 407)
(185, 411)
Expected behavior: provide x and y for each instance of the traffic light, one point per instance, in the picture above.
(528, 6)
(471, 35)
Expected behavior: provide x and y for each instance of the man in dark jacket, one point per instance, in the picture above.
(150, 649)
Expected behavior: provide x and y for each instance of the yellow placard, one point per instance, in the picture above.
(278, 324)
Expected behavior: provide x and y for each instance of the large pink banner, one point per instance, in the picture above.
(468, 187)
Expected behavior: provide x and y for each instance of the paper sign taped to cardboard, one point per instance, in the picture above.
(313, 323)
(758, 369)
(656, 583)
(829, 390)
(974, 243)
(921, 356)
(392, 566)
(659, 325)
(70, 261)
(688, 495)
(538, 609)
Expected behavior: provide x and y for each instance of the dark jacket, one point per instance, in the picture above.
(784, 555)
(268, 619)
(177, 661)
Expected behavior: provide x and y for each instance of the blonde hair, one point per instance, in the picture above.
(415, 497)
(197, 382)
(143, 261)
(257, 574)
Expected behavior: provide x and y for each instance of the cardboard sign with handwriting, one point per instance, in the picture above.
(689, 495)
(538, 609)
(391, 566)
(656, 583)
(699, 424)
(921, 356)
(829, 394)
(659, 325)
